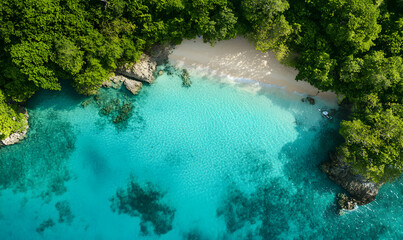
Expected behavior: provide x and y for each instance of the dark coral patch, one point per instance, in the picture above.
(144, 201)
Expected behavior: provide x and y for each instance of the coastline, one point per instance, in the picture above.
(239, 60)
(20, 134)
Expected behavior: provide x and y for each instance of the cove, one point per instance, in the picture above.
(218, 160)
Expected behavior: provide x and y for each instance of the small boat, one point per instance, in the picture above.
(325, 114)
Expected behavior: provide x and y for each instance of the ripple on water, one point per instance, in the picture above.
(209, 161)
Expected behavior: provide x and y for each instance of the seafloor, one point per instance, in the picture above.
(217, 160)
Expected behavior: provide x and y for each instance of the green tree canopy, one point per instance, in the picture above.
(374, 143)
(10, 119)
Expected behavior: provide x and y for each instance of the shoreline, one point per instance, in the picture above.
(237, 59)
(240, 62)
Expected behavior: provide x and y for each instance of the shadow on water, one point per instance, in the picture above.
(275, 212)
(301, 203)
(303, 169)
(95, 160)
(39, 163)
(253, 169)
(303, 158)
(66, 99)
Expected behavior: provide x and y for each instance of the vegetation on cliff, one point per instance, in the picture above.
(11, 119)
(353, 47)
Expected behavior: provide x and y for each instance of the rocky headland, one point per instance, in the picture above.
(361, 190)
(133, 75)
(116, 81)
(20, 134)
(144, 69)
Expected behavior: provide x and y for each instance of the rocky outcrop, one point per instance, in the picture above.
(361, 190)
(345, 202)
(132, 85)
(107, 83)
(144, 69)
(19, 135)
(310, 100)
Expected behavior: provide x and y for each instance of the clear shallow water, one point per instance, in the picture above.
(217, 160)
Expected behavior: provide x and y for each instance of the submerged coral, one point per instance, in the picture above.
(116, 106)
(144, 201)
(44, 225)
(238, 209)
(65, 213)
(194, 235)
(260, 209)
(185, 78)
(40, 164)
(181, 73)
(86, 102)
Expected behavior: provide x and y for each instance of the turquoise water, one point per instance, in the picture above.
(217, 160)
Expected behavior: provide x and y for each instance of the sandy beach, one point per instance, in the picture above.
(238, 59)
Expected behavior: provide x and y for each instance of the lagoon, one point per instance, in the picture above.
(222, 159)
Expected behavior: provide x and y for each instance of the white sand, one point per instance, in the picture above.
(237, 58)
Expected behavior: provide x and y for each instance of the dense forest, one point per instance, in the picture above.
(352, 47)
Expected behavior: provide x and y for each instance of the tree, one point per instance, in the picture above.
(317, 68)
(269, 28)
(68, 56)
(10, 119)
(221, 25)
(374, 148)
(351, 25)
(89, 81)
(374, 73)
(31, 58)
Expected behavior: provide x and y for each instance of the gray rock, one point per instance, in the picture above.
(133, 86)
(310, 100)
(107, 84)
(362, 190)
(142, 70)
(19, 135)
(346, 202)
(341, 212)
(118, 79)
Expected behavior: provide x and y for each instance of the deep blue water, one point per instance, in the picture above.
(217, 160)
